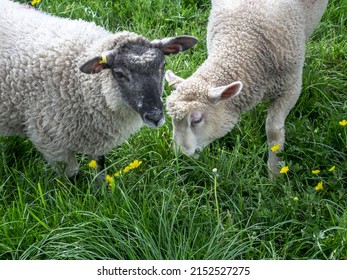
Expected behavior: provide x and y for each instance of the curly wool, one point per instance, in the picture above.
(178, 104)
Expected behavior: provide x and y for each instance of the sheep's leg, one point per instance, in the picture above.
(65, 163)
(72, 166)
(100, 160)
(276, 116)
(101, 167)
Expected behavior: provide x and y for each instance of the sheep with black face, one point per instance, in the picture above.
(47, 95)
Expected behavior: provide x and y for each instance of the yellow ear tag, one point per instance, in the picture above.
(103, 59)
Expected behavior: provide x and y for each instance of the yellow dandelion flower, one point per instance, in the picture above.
(109, 179)
(127, 169)
(331, 169)
(316, 171)
(93, 164)
(135, 164)
(284, 170)
(295, 198)
(319, 186)
(34, 2)
(275, 148)
(343, 122)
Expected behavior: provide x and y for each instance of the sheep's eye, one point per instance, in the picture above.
(196, 121)
(196, 118)
(119, 74)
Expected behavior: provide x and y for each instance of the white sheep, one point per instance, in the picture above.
(46, 95)
(256, 52)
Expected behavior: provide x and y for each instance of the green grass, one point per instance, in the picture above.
(172, 206)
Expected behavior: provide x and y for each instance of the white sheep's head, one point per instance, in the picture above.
(200, 113)
(137, 67)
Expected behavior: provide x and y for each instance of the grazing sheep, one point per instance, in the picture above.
(46, 94)
(256, 52)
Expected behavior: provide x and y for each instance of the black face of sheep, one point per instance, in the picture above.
(138, 69)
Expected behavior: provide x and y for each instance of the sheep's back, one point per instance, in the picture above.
(260, 45)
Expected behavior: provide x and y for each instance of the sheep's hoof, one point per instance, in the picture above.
(273, 170)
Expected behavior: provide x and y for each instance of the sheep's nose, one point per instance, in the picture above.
(154, 118)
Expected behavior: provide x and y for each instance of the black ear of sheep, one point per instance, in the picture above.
(174, 45)
(95, 64)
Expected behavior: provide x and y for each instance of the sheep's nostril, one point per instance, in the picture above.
(154, 118)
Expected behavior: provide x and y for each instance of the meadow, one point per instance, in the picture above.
(220, 206)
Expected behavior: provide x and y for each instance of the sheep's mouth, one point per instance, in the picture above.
(154, 124)
(195, 153)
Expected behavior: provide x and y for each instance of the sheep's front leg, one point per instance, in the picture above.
(276, 116)
(100, 161)
(72, 166)
(64, 163)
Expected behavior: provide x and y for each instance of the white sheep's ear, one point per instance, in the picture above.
(173, 79)
(222, 93)
(97, 64)
(174, 45)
